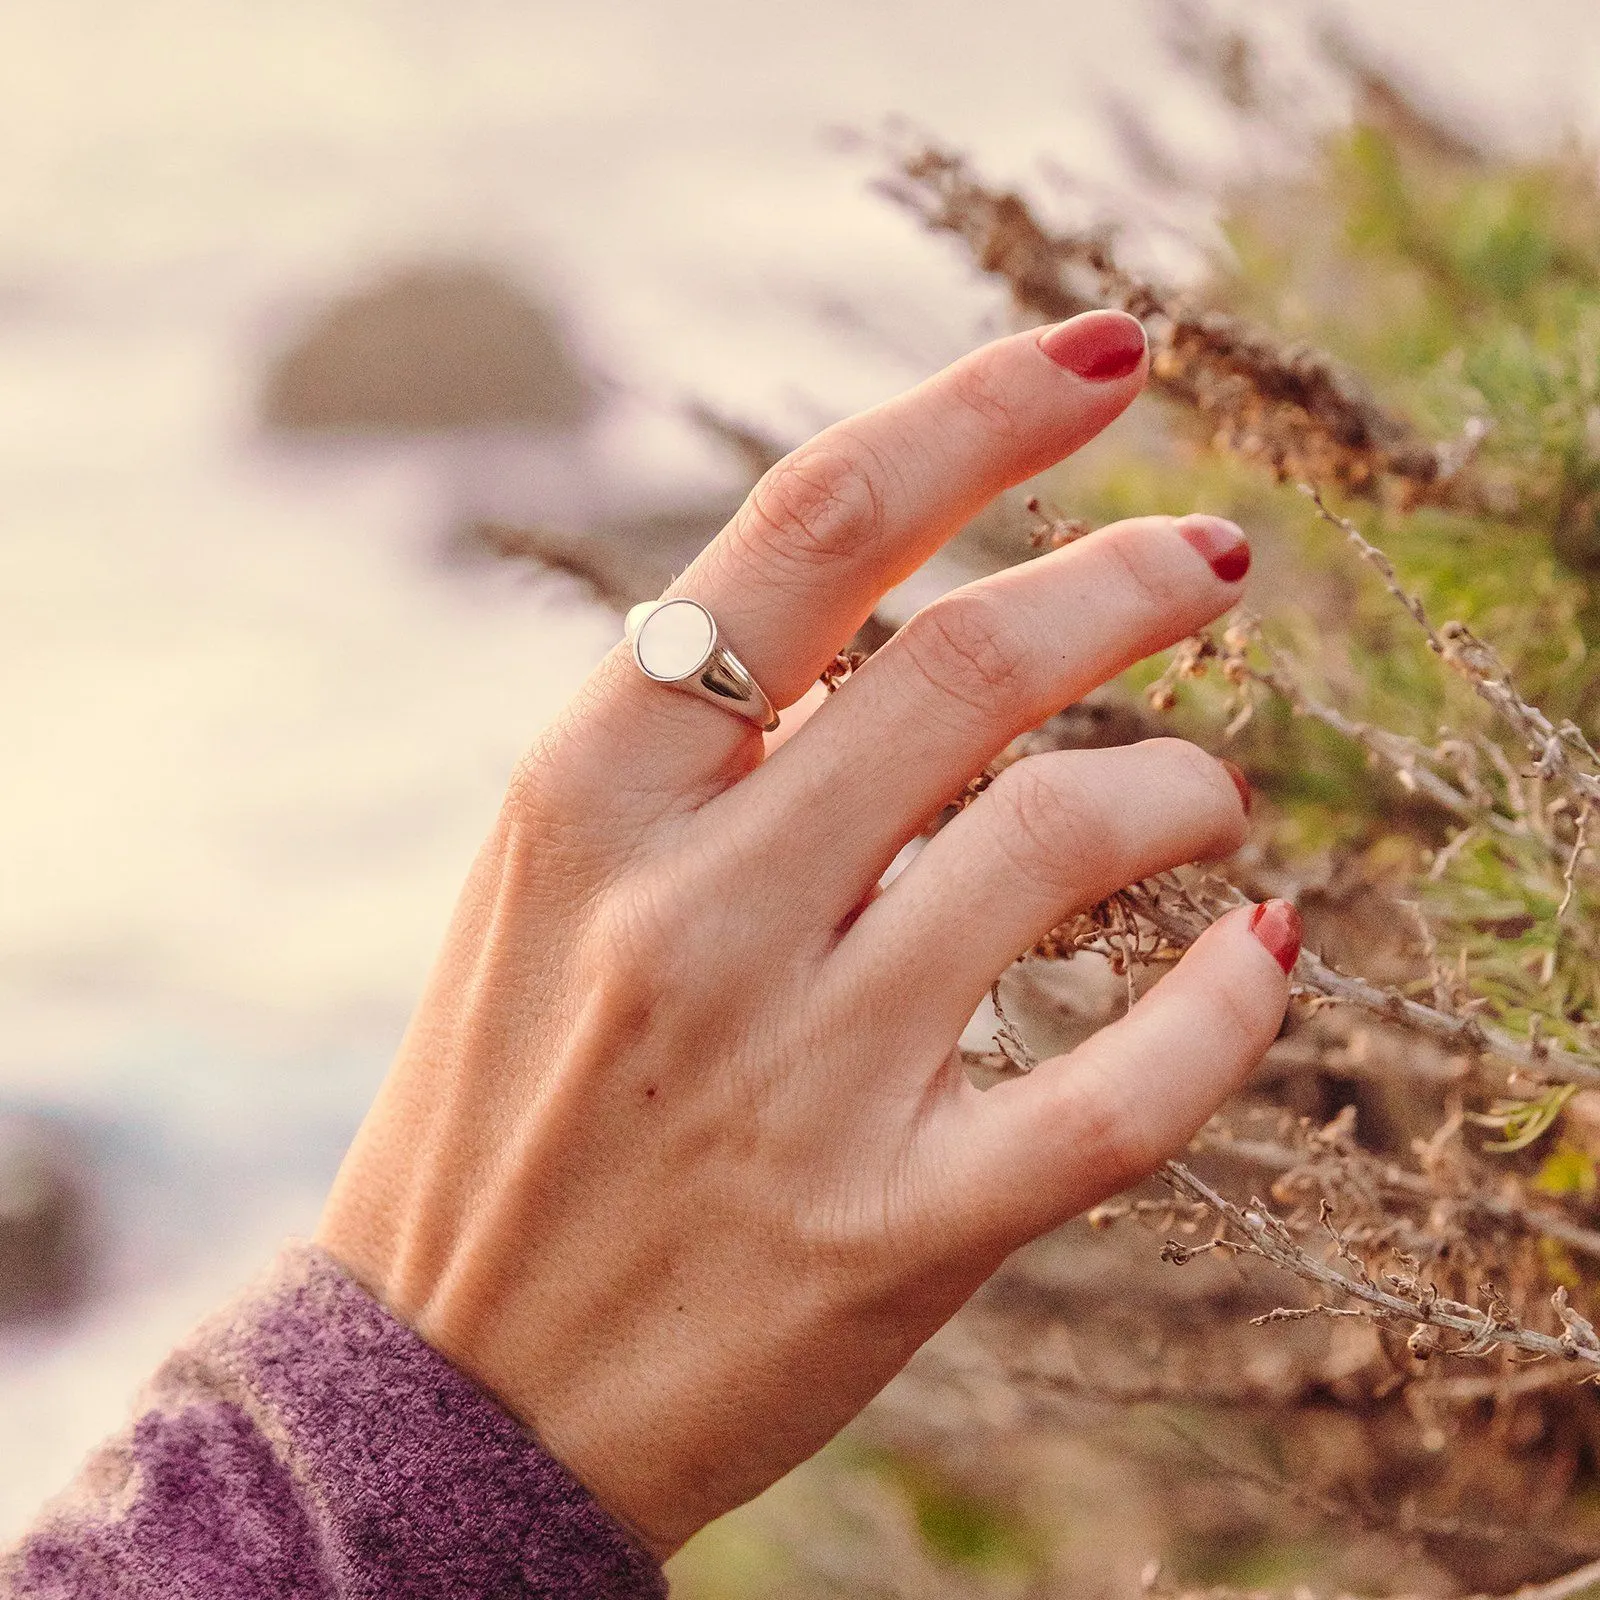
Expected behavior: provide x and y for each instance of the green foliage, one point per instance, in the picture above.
(1465, 290)
(1567, 1172)
(1523, 1122)
(1496, 911)
(957, 1527)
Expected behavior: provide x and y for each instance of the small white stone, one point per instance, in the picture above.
(675, 640)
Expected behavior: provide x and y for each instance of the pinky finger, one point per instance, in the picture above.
(1038, 1150)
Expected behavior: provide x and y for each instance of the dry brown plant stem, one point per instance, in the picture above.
(1568, 1587)
(1406, 1303)
(1396, 1180)
(1175, 914)
(1403, 1520)
(1288, 406)
(1409, 758)
(1556, 751)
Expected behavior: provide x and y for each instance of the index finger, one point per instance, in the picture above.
(846, 517)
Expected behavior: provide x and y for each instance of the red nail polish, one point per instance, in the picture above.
(1276, 924)
(1221, 543)
(1101, 346)
(1240, 782)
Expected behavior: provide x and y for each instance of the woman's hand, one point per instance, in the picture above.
(675, 1158)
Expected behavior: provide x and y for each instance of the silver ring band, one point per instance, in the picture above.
(675, 642)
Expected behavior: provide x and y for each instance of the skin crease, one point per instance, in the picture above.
(675, 1159)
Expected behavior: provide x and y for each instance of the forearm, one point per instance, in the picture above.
(304, 1443)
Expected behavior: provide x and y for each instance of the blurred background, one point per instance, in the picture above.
(305, 310)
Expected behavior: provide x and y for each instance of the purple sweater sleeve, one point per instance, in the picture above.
(302, 1445)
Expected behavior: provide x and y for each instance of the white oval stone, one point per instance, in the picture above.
(675, 640)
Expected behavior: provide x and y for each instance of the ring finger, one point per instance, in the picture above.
(1053, 835)
(960, 680)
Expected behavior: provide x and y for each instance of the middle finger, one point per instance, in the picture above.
(963, 678)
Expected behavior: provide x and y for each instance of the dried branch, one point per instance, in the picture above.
(1569, 875)
(965, 1359)
(1560, 753)
(1180, 918)
(1398, 107)
(592, 561)
(1392, 1180)
(1406, 1302)
(1403, 1519)
(1289, 407)
(1411, 761)
(1568, 1587)
(1009, 1043)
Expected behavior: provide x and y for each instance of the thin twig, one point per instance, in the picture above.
(1408, 758)
(1555, 750)
(1292, 408)
(1008, 1041)
(1569, 877)
(1564, 1588)
(1397, 1180)
(1570, 1586)
(1261, 1233)
(1377, 1517)
(1180, 919)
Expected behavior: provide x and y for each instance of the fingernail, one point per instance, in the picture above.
(1221, 543)
(1099, 345)
(1240, 782)
(1276, 924)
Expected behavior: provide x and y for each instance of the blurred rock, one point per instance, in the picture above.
(624, 562)
(430, 348)
(629, 559)
(43, 1239)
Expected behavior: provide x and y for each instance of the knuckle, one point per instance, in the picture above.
(1155, 585)
(852, 1238)
(528, 789)
(1048, 821)
(548, 775)
(963, 646)
(1113, 1138)
(977, 387)
(823, 501)
(1198, 775)
(631, 930)
(683, 920)
(839, 1237)
(1241, 1015)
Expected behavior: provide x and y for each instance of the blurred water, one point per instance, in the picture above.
(252, 727)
